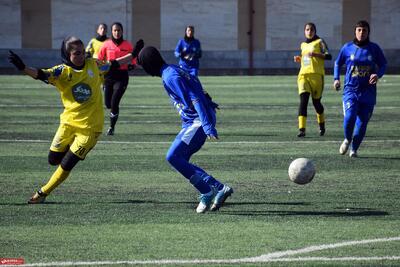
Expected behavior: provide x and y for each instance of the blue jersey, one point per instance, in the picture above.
(187, 95)
(188, 53)
(360, 63)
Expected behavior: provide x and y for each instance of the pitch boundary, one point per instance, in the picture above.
(280, 256)
(219, 142)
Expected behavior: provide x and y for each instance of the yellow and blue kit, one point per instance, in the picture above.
(310, 81)
(80, 92)
(313, 64)
(94, 46)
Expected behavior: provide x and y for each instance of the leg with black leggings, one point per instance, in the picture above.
(304, 97)
(114, 89)
(319, 108)
(66, 161)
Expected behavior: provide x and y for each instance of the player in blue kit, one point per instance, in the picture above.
(197, 112)
(365, 64)
(188, 50)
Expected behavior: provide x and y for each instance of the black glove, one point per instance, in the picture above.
(183, 54)
(114, 65)
(138, 46)
(131, 67)
(15, 60)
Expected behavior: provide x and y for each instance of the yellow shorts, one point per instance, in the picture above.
(79, 141)
(312, 83)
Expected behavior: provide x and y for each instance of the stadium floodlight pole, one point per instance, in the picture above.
(250, 34)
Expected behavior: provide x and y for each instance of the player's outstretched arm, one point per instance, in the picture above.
(20, 65)
(128, 57)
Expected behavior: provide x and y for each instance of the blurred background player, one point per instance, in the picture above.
(78, 79)
(198, 116)
(188, 50)
(365, 64)
(116, 81)
(310, 81)
(93, 48)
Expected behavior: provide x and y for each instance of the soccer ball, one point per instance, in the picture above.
(301, 171)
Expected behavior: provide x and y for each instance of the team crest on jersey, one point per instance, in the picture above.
(352, 57)
(184, 74)
(369, 58)
(58, 70)
(81, 92)
(90, 73)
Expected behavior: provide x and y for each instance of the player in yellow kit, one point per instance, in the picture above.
(94, 45)
(310, 81)
(79, 82)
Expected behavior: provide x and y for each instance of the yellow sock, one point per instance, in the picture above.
(302, 122)
(57, 178)
(320, 118)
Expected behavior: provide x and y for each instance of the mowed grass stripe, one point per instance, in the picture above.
(125, 202)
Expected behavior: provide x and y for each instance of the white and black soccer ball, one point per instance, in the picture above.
(301, 171)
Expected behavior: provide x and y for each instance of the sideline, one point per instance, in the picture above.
(270, 257)
(214, 143)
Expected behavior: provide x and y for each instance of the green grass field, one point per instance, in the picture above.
(124, 205)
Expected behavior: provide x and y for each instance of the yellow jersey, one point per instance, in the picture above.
(81, 94)
(93, 47)
(313, 64)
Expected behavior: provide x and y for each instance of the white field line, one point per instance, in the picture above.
(223, 106)
(280, 256)
(216, 143)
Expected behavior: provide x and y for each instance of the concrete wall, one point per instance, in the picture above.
(222, 26)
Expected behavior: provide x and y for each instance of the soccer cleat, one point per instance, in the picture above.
(37, 198)
(205, 201)
(302, 132)
(220, 197)
(110, 131)
(321, 129)
(344, 147)
(353, 154)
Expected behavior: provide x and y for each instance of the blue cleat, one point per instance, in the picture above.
(220, 197)
(205, 201)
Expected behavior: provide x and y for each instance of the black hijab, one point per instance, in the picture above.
(120, 40)
(315, 37)
(65, 55)
(151, 61)
(189, 39)
(99, 37)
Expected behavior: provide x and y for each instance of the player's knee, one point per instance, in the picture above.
(319, 108)
(303, 104)
(69, 161)
(173, 159)
(55, 158)
(170, 157)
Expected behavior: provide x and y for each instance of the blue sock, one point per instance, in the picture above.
(198, 182)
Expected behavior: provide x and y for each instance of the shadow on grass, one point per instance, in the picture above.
(350, 213)
(382, 157)
(136, 201)
(337, 212)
